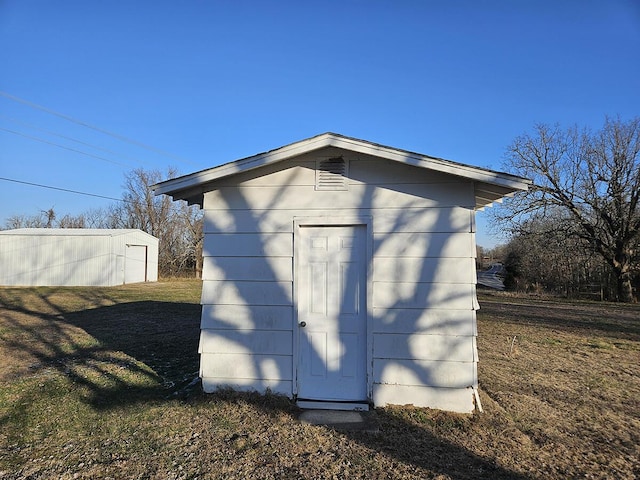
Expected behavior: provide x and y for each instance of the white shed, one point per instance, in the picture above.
(341, 273)
(77, 257)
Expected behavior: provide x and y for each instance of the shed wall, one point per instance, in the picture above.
(422, 310)
(34, 260)
(65, 259)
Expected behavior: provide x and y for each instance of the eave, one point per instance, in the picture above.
(490, 186)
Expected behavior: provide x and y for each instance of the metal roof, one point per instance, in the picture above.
(490, 186)
(85, 232)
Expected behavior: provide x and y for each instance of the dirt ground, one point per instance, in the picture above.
(568, 375)
(97, 383)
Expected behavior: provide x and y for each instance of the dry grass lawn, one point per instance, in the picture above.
(96, 383)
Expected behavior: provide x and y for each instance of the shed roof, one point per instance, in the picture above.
(490, 186)
(76, 232)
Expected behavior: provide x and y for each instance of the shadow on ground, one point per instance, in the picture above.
(161, 335)
(157, 341)
(397, 438)
(618, 321)
(121, 353)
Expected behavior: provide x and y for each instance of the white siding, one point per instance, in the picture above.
(419, 346)
(420, 245)
(246, 293)
(356, 197)
(258, 342)
(432, 320)
(254, 367)
(265, 245)
(72, 257)
(414, 372)
(421, 310)
(452, 399)
(425, 270)
(243, 317)
(56, 260)
(271, 269)
(386, 220)
(422, 296)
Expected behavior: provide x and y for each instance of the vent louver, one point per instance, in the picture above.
(331, 174)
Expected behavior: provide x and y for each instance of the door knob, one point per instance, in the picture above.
(302, 324)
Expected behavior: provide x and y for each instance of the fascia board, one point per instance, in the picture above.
(432, 163)
(243, 165)
(193, 180)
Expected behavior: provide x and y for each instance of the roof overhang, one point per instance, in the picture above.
(490, 186)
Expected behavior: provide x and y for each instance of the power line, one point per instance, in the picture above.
(37, 139)
(63, 189)
(35, 127)
(93, 127)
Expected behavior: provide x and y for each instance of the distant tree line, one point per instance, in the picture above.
(548, 262)
(577, 229)
(177, 225)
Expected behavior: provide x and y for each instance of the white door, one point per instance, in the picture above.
(332, 326)
(135, 264)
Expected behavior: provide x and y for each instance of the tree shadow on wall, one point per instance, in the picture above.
(401, 439)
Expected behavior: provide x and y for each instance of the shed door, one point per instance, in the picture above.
(135, 264)
(331, 285)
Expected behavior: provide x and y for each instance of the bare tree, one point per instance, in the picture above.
(72, 221)
(593, 179)
(543, 258)
(50, 215)
(20, 221)
(143, 209)
(99, 217)
(177, 225)
(43, 219)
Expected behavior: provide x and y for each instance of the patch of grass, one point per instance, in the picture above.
(598, 343)
(553, 342)
(95, 384)
(571, 389)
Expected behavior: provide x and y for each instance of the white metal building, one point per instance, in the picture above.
(341, 272)
(77, 257)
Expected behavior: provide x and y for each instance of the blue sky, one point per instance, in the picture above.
(206, 82)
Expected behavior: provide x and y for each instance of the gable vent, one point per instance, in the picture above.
(331, 174)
